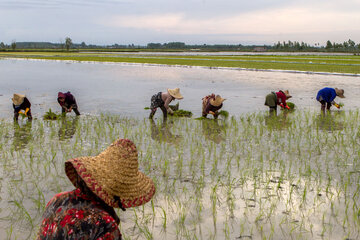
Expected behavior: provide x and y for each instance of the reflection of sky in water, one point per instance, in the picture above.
(127, 89)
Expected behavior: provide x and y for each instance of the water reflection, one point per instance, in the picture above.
(213, 130)
(330, 121)
(278, 122)
(162, 133)
(22, 134)
(68, 127)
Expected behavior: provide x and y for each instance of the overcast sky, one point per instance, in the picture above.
(191, 21)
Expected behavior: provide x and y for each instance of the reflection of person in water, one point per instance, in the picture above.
(162, 133)
(21, 105)
(68, 128)
(22, 135)
(330, 121)
(213, 131)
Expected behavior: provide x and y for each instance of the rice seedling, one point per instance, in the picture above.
(249, 176)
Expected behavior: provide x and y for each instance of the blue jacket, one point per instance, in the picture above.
(326, 94)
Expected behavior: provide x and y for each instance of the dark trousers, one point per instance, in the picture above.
(325, 104)
(153, 111)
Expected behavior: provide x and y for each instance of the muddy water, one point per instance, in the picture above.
(127, 88)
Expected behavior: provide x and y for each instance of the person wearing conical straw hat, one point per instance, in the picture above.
(211, 104)
(109, 180)
(277, 98)
(162, 100)
(67, 102)
(326, 97)
(21, 105)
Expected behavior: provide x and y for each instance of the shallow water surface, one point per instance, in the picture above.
(127, 88)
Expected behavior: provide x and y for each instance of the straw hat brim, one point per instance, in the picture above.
(175, 94)
(18, 99)
(106, 181)
(217, 102)
(339, 93)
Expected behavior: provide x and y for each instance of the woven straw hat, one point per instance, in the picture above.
(175, 93)
(340, 92)
(114, 172)
(287, 94)
(18, 99)
(217, 101)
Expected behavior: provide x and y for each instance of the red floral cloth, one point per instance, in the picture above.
(74, 215)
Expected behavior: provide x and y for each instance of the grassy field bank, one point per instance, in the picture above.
(296, 176)
(309, 63)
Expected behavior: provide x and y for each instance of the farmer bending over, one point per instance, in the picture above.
(67, 102)
(327, 95)
(277, 98)
(211, 105)
(21, 105)
(104, 182)
(162, 100)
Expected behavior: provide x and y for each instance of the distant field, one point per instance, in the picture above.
(311, 63)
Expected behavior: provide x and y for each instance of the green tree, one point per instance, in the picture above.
(2, 45)
(13, 45)
(68, 43)
(328, 45)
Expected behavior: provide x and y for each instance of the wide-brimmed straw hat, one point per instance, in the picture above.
(340, 92)
(113, 174)
(287, 94)
(175, 93)
(18, 99)
(217, 101)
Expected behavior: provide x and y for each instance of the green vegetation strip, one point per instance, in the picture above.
(329, 64)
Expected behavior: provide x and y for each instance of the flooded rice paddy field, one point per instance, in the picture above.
(127, 88)
(296, 176)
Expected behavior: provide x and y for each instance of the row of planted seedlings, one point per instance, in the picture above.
(254, 176)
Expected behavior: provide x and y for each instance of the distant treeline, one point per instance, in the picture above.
(348, 46)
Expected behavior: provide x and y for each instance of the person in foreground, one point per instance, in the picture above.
(67, 102)
(277, 98)
(21, 105)
(162, 100)
(211, 104)
(104, 182)
(326, 97)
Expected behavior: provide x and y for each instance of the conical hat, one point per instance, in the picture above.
(340, 92)
(287, 94)
(175, 93)
(217, 101)
(114, 172)
(18, 99)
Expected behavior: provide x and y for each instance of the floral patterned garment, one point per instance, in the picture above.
(74, 215)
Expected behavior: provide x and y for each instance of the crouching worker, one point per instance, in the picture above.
(326, 97)
(162, 100)
(104, 182)
(277, 98)
(21, 105)
(211, 104)
(67, 102)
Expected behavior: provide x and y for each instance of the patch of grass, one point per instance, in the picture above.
(330, 63)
